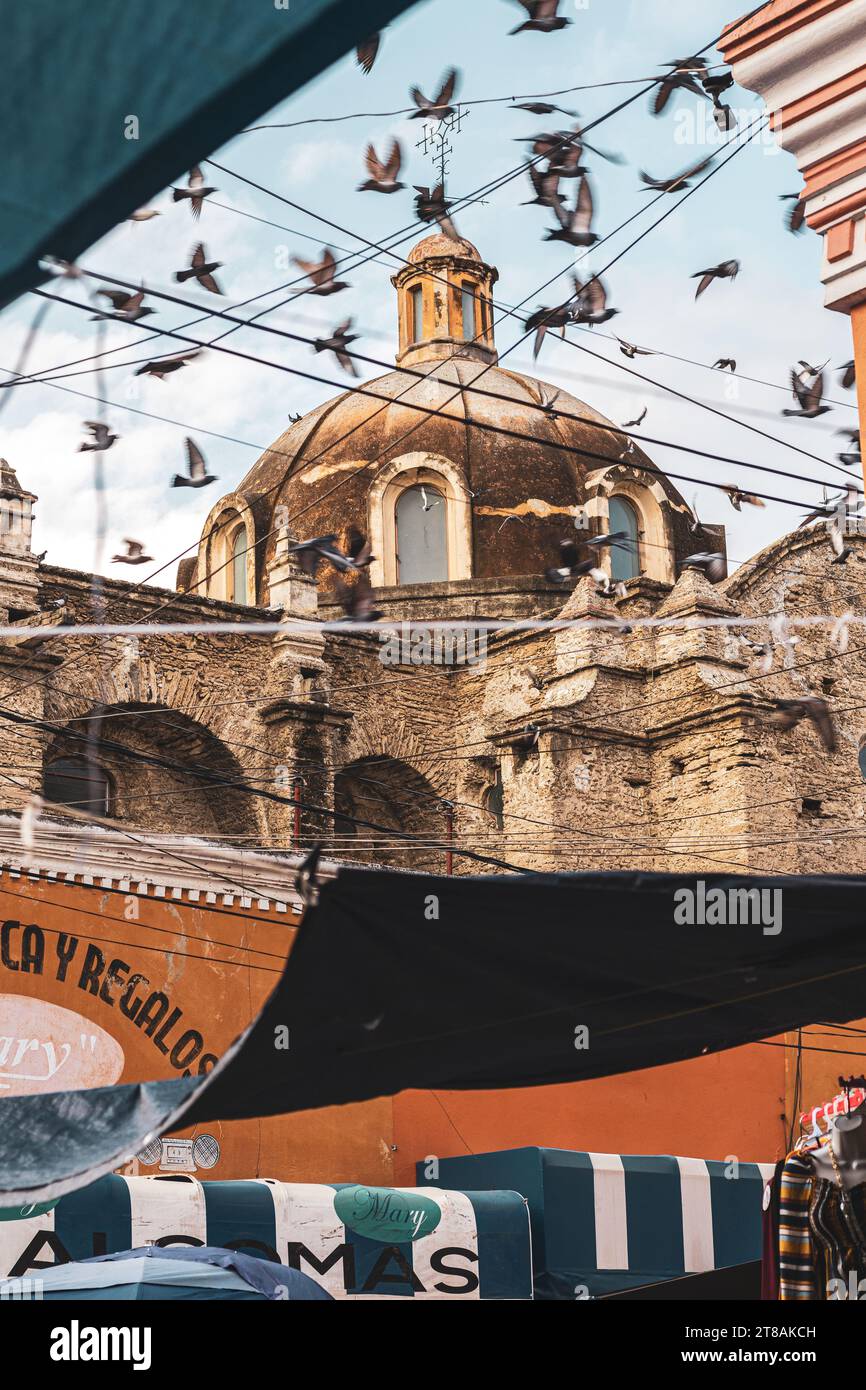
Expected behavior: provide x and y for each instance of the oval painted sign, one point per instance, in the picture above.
(383, 1214)
(44, 1047)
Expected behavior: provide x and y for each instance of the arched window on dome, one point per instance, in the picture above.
(239, 566)
(421, 540)
(624, 561)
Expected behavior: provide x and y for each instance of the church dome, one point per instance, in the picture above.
(455, 467)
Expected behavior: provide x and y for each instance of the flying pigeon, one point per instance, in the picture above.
(726, 270)
(548, 401)
(357, 602)
(712, 564)
(571, 566)
(383, 177)
(127, 306)
(311, 554)
(321, 274)
(143, 215)
(575, 227)
(591, 303)
(676, 182)
(807, 394)
(546, 187)
(797, 216)
(618, 540)
(102, 438)
(360, 549)
(440, 107)
(430, 206)
(543, 17)
(631, 350)
(197, 474)
(672, 82)
(841, 551)
(855, 453)
(542, 108)
(337, 344)
(134, 554)
(543, 319)
(200, 269)
(633, 424)
(164, 366)
(195, 190)
(726, 364)
(367, 52)
(737, 497)
(849, 375)
(788, 713)
(606, 587)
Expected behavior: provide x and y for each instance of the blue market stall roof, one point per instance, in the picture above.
(192, 72)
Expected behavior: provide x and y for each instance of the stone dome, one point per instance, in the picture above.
(514, 461)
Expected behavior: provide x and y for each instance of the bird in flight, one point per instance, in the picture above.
(367, 52)
(101, 439)
(633, 424)
(631, 350)
(797, 216)
(164, 366)
(337, 344)
(440, 107)
(128, 306)
(712, 563)
(321, 273)
(196, 474)
(808, 390)
(726, 270)
(725, 364)
(431, 206)
(575, 226)
(195, 190)
(590, 303)
(737, 498)
(543, 17)
(200, 270)
(383, 177)
(676, 182)
(789, 713)
(134, 554)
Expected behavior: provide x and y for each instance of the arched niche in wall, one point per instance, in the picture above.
(436, 543)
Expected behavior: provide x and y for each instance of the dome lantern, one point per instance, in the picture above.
(444, 303)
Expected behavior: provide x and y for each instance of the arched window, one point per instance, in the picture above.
(624, 562)
(416, 311)
(422, 545)
(469, 329)
(77, 783)
(861, 758)
(239, 566)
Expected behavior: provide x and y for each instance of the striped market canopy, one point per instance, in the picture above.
(355, 1241)
(192, 73)
(605, 1222)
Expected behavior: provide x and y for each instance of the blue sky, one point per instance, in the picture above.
(768, 318)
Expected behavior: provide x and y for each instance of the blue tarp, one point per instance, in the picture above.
(182, 76)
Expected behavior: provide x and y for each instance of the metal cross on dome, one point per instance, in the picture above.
(436, 140)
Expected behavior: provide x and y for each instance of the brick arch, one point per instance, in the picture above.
(395, 795)
(157, 798)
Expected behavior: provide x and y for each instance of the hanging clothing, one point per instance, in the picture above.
(818, 1241)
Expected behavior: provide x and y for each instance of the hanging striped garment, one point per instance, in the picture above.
(818, 1242)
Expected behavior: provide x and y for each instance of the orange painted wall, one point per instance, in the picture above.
(709, 1107)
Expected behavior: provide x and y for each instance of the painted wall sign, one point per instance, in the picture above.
(44, 1047)
(382, 1214)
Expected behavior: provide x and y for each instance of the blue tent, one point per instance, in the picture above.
(153, 1273)
(102, 105)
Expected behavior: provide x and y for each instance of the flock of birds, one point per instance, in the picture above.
(556, 162)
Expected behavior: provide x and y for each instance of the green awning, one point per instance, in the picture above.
(192, 72)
